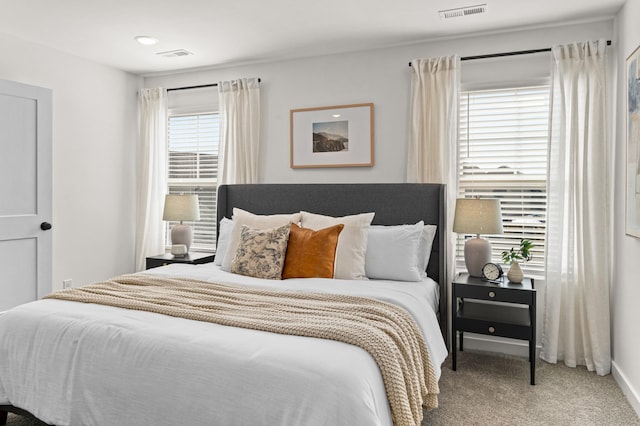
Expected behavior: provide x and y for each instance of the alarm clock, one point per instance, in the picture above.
(491, 272)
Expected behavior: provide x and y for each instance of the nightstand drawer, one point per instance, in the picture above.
(155, 263)
(495, 319)
(493, 328)
(496, 294)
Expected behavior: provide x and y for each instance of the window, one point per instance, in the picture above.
(503, 143)
(193, 169)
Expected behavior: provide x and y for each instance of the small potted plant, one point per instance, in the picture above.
(512, 256)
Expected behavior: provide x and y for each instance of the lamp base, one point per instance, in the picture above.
(477, 252)
(182, 234)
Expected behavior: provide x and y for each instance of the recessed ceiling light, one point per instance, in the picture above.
(146, 40)
(336, 115)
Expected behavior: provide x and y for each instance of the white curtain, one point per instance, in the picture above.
(239, 131)
(152, 173)
(579, 242)
(433, 136)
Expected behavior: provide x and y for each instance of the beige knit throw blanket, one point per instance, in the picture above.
(386, 331)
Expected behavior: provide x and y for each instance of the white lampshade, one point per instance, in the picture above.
(477, 216)
(181, 207)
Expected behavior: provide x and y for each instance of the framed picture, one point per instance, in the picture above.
(333, 136)
(633, 145)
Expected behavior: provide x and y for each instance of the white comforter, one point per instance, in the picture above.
(72, 363)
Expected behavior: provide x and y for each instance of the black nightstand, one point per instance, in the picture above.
(193, 258)
(514, 316)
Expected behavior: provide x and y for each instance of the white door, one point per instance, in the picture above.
(25, 193)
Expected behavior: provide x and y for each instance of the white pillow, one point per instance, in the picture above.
(392, 252)
(261, 222)
(426, 243)
(352, 243)
(226, 226)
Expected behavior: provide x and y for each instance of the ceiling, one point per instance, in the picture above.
(227, 33)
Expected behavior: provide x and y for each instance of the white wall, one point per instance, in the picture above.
(94, 139)
(626, 290)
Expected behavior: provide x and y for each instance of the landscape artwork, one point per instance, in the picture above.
(633, 145)
(332, 136)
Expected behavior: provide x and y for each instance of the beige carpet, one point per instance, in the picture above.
(495, 390)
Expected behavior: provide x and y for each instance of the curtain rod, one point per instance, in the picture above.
(519, 52)
(197, 87)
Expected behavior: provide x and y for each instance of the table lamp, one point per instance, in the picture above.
(477, 216)
(180, 208)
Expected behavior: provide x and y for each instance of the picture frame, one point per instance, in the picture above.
(632, 205)
(332, 136)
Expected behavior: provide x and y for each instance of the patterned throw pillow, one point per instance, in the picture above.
(261, 253)
(256, 221)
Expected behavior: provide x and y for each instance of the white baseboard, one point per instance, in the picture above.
(632, 396)
(500, 345)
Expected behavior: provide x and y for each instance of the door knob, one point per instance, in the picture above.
(45, 226)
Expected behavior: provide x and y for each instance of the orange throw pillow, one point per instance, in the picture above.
(311, 254)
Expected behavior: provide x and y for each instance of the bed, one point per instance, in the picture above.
(66, 362)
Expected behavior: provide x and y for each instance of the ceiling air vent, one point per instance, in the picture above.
(463, 11)
(174, 53)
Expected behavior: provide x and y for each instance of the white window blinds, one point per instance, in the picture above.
(193, 169)
(503, 154)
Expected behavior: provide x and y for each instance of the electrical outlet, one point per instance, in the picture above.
(68, 283)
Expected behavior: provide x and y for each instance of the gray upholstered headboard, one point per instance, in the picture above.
(393, 204)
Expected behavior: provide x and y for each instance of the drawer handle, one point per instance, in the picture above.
(492, 294)
(492, 329)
